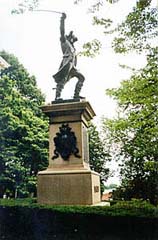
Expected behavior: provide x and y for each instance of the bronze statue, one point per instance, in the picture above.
(67, 69)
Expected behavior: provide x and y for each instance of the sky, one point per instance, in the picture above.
(33, 37)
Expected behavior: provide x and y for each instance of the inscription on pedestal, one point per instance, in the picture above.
(96, 189)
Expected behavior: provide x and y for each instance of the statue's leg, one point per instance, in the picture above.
(59, 88)
(79, 84)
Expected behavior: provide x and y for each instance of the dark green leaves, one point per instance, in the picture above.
(23, 130)
(98, 154)
(134, 133)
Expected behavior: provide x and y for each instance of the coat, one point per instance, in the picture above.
(68, 63)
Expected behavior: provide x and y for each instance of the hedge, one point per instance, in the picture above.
(26, 220)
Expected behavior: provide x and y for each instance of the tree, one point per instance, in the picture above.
(135, 128)
(139, 30)
(98, 155)
(23, 130)
(136, 143)
(135, 131)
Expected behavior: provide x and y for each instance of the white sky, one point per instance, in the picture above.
(34, 38)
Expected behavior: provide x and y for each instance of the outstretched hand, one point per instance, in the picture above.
(63, 15)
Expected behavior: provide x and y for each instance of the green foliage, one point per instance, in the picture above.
(135, 131)
(76, 222)
(18, 202)
(98, 155)
(133, 208)
(25, 5)
(23, 130)
(27, 88)
(138, 30)
(103, 22)
(98, 4)
(91, 49)
(134, 203)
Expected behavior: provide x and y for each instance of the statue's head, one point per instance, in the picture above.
(71, 37)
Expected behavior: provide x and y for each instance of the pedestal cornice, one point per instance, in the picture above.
(83, 109)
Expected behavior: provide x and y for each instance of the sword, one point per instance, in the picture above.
(43, 10)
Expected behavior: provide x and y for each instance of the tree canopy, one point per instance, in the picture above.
(23, 130)
(98, 154)
(134, 130)
(139, 30)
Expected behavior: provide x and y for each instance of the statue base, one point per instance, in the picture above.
(73, 187)
(68, 179)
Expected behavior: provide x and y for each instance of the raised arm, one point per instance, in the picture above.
(62, 27)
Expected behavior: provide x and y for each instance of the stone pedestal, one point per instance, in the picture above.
(68, 179)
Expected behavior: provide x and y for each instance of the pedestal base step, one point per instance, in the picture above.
(72, 187)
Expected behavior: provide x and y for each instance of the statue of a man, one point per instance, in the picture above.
(67, 69)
